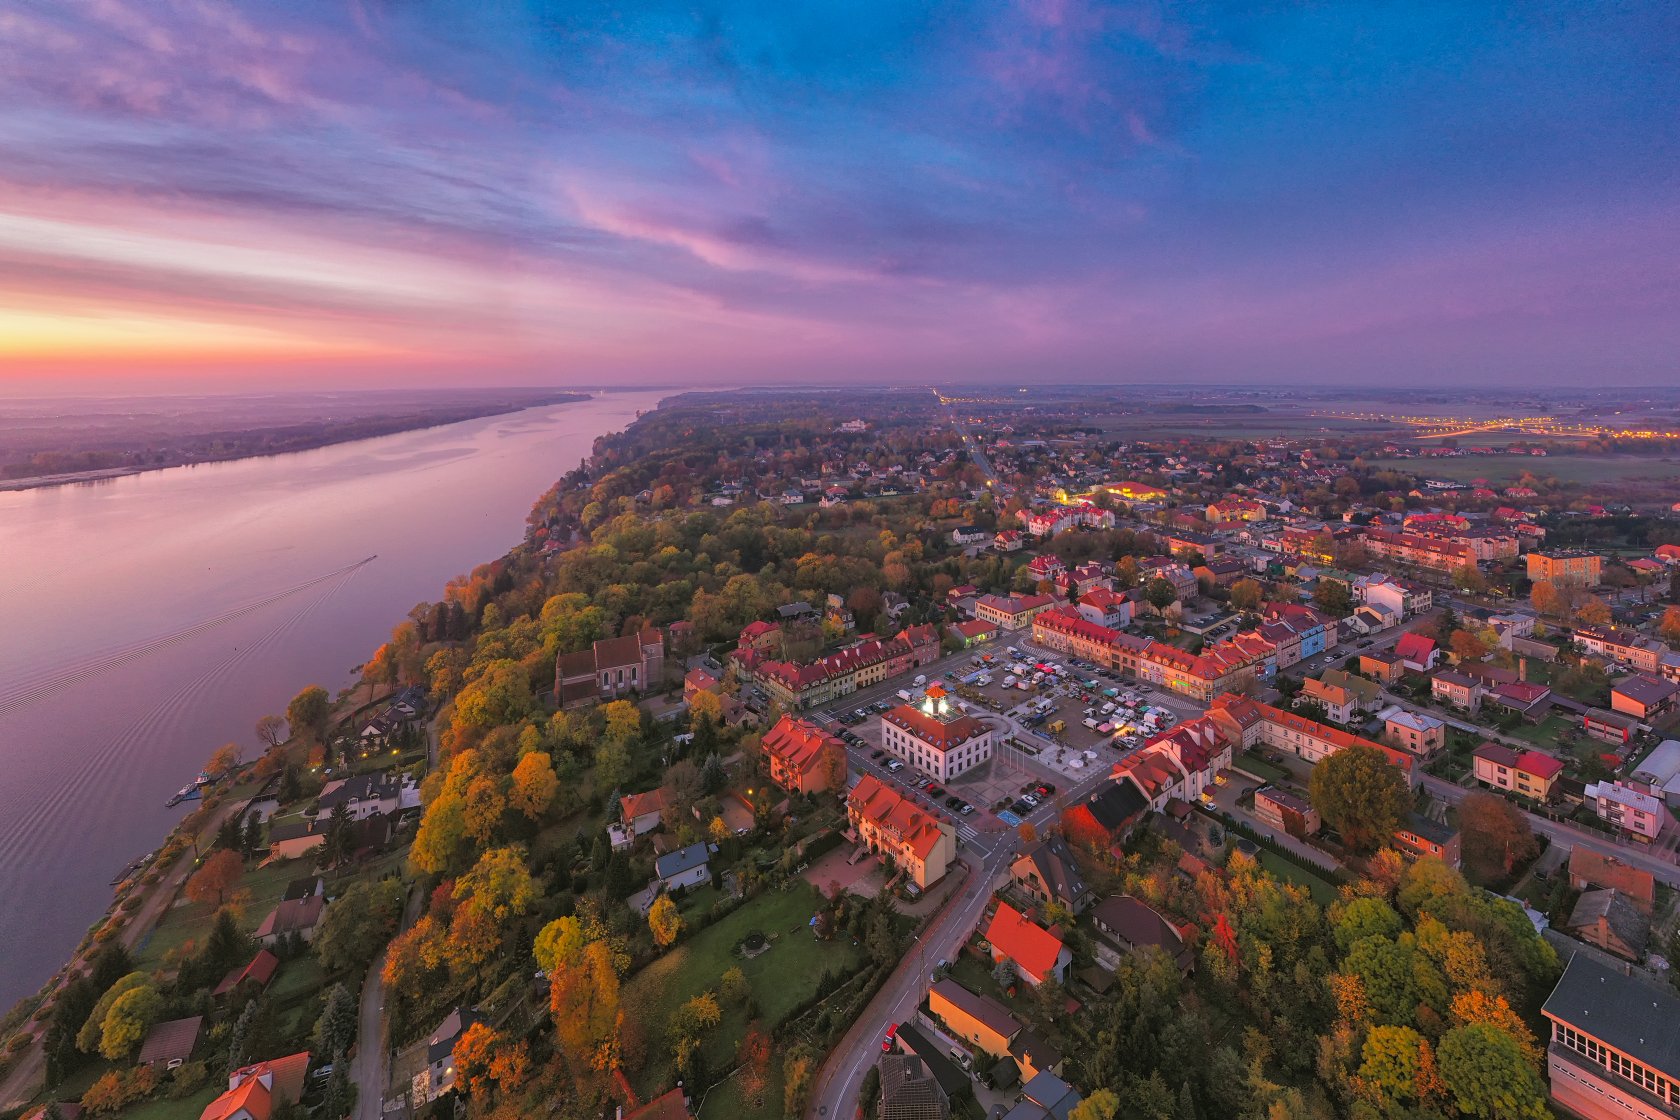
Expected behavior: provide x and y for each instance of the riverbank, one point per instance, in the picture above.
(255, 442)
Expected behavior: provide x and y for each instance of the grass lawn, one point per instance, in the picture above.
(190, 921)
(1252, 763)
(1323, 891)
(1506, 469)
(163, 1109)
(297, 978)
(780, 978)
(725, 1102)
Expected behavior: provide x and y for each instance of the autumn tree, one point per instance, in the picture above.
(664, 920)
(474, 1052)
(498, 696)
(534, 785)
(1469, 578)
(88, 1036)
(212, 882)
(1246, 595)
(1486, 1075)
(223, 759)
(1360, 794)
(1466, 646)
(128, 1020)
(1496, 835)
(705, 705)
(623, 721)
(1392, 1060)
(358, 924)
(1593, 611)
(1544, 597)
(583, 999)
(1103, 1104)
(308, 713)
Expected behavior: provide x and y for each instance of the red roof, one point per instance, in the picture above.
(260, 971)
(1414, 647)
(1033, 948)
(1540, 765)
(801, 746)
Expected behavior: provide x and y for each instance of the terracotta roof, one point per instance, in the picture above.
(799, 744)
(937, 734)
(1498, 754)
(284, 1082)
(876, 801)
(1033, 948)
(260, 971)
(1540, 765)
(292, 915)
(1415, 647)
(667, 1106)
(1600, 869)
(634, 805)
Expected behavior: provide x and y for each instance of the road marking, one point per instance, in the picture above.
(967, 834)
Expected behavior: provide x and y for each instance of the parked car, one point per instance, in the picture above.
(887, 1042)
(877, 756)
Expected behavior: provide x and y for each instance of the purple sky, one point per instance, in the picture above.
(397, 193)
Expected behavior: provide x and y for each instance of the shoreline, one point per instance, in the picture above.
(106, 474)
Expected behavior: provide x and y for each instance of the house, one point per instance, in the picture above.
(1046, 873)
(1420, 735)
(295, 839)
(293, 916)
(696, 681)
(1104, 818)
(1105, 608)
(1608, 727)
(1459, 690)
(1530, 773)
(1247, 723)
(914, 1041)
(641, 812)
(438, 1075)
(1566, 566)
(1008, 540)
(1633, 811)
(1396, 598)
(1590, 868)
(1528, 700)
(1011, 612)
(803, 757)
(254, 975)
(1126, 925)
(1650, 699)
(1419, 836)
(1614, 1052)
(669, 1105)
(978, 1020)
(1627, 647)
(171, 1044)
(936, 736)
(610, 668)
(1417, 651)
(1037, 953)
(968, 534)
(378, 792)
(972, 632)
(1045, 567)
(1045, 1097)
(1342, 695)
(1382, 666)
(910, 1091)
(919, 843)
(1605, 918)
(685, 867)
(1288, 811)
(256, 1092)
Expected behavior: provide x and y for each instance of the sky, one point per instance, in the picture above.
(408, 192)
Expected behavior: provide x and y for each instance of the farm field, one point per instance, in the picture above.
(1505, 470)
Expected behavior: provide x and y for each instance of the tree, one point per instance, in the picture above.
(705, 705)
(1469, 578)
(732, 986)
(713, 777)
(534, 785)
(128, 1020)
(497, 697)
(1361, 794)
(87, 1038)
(473, 1053)
(1246, 595)
(1392, 1059)
(1593, 611)
(583, 999)
(1333, 597)
(1102, 1104)
(499, 887)
(336, 848)
(1495, 835)
(664, 920)
(271, 730)
(1544, 597)
(308, 712)
(1160, 593)
(1466, 646)
(212, 882)
(1485, 1073)
(624, 721)
(223, 759)
(358, 924)
(335, 1030)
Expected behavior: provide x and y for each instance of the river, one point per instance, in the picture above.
(146, 620)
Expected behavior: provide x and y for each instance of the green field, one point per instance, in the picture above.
(1506, 469)
(780, 979)
(190, 921)
(1323, 891)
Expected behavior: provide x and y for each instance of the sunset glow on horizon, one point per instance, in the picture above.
(373, 193)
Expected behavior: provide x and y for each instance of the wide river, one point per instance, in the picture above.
(148, 619)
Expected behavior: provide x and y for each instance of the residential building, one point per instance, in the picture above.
(889, 824)
(253, 976)
(1011, 612)
(1106, 816)
(295, 839)
(1047, 873)
(1530, 773)
(639, 813)
(1398, 598)
(1437, 554)
(935, 736)
(696, 681)
(971, 632)
(1037, 953)
(1383, 666)
(1008, 540)
(1288, 811)
(803, 757)
(378, 792)
(1627, 647)
(1045, 567)
(1417, 651)
(170, 1044)
(257, 1091)
(1248, 722)
(1590, 868)
(1614, 1053)
(1418, 734)
(978, 1020)
(610, 668)
(1343, 696)
(437, 1077)
(1106, 608)
(1528, 700)
(909, 1090)
(1606, 918)
(1646, 698)
(968, 534)
(865, 663)
(1566, 566)
(1126, 925)
(1419, 836)
(1045, 1097)
(293, 916)
(685, 867)
(1634, 812)
(1456, 689)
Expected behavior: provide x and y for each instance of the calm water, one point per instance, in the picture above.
(146, 620)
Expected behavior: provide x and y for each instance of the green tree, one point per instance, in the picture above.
(87, 1038)
(335, 1030)
(358, 925)
(1246, 595)
(1333, 598)
(1160, 593)
(1487, 1077)
(308, 712)
(1102, 1104)
(1392, 1058)
(1362, 918)
(128, 1020)
(1360, 794)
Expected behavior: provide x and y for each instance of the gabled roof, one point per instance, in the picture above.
(681, 860)
(799, 744)
(1030, 946)
(1601, 869)
(890, 810)
(170, 1041)
(633, 805)
(294, 915)
(1116, 804)
(1137, 924)
(982, 1009)
(1615, 910)
(260, 1088)
(1414, 647)
(260, 971)
(1055, 866)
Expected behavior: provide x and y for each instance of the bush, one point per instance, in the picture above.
(187, 1080)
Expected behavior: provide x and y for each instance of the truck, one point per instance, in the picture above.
(921, 679)
(905, 695)
(1009, 681)
(1057, 727)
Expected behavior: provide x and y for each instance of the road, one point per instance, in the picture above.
(970, 444)
(370, 1068)
(28, 1073)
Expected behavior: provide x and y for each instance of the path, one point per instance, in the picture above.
(370, 1068)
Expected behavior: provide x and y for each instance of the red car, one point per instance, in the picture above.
(887, 1042)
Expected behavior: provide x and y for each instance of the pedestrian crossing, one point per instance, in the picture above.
(966, 834)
